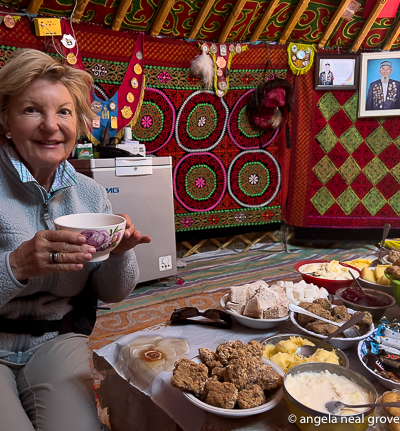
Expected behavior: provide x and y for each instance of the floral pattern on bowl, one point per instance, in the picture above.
(102, 240)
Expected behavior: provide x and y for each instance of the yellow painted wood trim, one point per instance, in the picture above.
(333, 22)
(34, 7)
(76, 17)
(201, 17)
(160, 17)
(231, 20)
(368, 24)
(264, 20)
(120, 15)
(300, 8)
(391, 39)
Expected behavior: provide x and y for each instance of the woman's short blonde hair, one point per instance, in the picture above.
(29, 64)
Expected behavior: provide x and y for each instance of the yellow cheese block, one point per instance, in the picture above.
(368, 275)
(359, 263)
(383, 280)
(379, 271)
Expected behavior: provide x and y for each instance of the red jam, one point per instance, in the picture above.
(356, 296)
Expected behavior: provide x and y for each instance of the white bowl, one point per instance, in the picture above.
(340, 343)
(390, 384)
(381, 287)
(239, 413)
(251, 322)
(102, 231)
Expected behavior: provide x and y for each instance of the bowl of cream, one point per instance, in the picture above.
(308, 387)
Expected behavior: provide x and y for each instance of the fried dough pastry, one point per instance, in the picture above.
(251, 396)
(189, 376)
(220, 394)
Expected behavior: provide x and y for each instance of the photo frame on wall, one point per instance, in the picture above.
(336, 72)
(379, 93)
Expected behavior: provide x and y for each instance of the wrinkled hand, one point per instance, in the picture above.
(33, 257)
(131, 237)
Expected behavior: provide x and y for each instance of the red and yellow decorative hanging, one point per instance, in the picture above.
(300, 57)
(222, 55)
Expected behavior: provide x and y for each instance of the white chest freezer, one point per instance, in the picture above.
(142, 188)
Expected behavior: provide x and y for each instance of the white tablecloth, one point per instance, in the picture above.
(133, 411)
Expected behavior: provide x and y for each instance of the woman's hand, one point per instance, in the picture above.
(34, 257)
(131, 237)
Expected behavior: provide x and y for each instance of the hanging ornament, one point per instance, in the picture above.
(203, 68)
(68, 41)
(300, 57)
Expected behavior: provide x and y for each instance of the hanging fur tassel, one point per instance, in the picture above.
(203, 67)
(276, 120)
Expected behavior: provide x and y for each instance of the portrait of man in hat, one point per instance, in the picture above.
(384, 93)
(326, 77)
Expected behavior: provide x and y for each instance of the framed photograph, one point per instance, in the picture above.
(336, 72)
(379, 94)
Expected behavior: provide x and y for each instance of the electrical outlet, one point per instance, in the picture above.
(47, 26)
(165, 263)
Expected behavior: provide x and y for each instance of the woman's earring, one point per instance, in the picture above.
(8, 135)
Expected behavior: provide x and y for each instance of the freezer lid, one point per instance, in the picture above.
(85, 164)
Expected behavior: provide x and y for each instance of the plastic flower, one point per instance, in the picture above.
(96, 238)
(144, 358)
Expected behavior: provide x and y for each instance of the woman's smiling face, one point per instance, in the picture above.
(42, 122)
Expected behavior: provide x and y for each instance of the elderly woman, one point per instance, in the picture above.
(47, 283)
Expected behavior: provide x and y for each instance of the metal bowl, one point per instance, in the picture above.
(306, 417)
(376, 311)
(343, 360)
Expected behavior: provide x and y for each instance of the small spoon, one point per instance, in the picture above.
(357, 282)
(334, 407)
(378, 261)
(349, 333)
(308, 351)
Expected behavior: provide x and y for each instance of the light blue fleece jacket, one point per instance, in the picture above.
(22, 214)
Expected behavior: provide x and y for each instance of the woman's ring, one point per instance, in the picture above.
(54, 257)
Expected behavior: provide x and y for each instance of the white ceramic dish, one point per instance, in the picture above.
(103, 231)
(240, 413)
(390, 384)
(340, 343)
(381, 287)
(251, 322)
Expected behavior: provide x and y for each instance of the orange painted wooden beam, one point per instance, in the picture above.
(80, 9)
(201, 17)
(300, 8)
(264, 20)
(391, 39)
(161, 17)
(34, 6)
(333, 22)
(120, 15)
(231, 20)
(368, 24)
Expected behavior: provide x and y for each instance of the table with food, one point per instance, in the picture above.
(323, 351)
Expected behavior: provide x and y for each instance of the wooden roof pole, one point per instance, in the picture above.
(76, 17)
(368, 24)
(201, 17)
(231, 20)
(34, 6)
(300, 8)
(392, 37)
(333, 22)
(264, 20)
(160, 17)
(120, 15)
